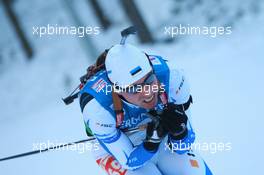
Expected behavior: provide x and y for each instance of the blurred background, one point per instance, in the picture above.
(225, 72)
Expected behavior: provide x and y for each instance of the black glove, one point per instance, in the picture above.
(174, 121)
(155, 133)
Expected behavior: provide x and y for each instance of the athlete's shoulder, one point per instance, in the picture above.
(179, 87)
(99, 120)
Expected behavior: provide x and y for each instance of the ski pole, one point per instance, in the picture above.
(127, 131)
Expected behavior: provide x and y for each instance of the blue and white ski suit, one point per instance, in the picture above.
(123, 154)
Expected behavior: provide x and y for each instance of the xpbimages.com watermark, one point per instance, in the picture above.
(211, 31)
(79, 31)
(60, 146)
(212, 147)
(102, 86)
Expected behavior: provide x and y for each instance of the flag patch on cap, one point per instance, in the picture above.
(135, 71)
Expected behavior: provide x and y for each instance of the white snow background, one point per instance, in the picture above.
(226, 76)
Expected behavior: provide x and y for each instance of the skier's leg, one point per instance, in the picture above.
(112, 167)
(171, 163)
(148, 168)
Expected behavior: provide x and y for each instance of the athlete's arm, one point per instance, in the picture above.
(103, 126)
(179, 93)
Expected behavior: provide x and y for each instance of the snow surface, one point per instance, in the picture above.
(226, 75)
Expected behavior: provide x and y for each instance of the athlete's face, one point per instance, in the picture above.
(147, 95)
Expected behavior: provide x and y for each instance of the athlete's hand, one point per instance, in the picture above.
(174, 121)
(155, 133)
